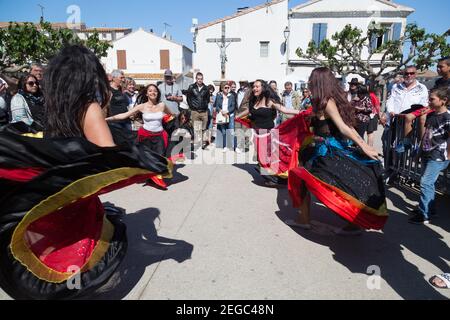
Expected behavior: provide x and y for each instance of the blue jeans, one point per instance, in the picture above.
(427, 184)
(227, 133)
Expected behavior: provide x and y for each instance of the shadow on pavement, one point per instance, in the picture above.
(442, 204)
(386, 250)
(145, 248)
(253, 170)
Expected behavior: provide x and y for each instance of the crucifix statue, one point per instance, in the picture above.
(223, 44)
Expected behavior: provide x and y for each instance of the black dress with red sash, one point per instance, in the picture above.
(340, 176)
(56, 239)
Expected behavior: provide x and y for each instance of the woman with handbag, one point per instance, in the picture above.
(225, 106)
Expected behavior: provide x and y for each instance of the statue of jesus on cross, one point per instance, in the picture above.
(223, 44)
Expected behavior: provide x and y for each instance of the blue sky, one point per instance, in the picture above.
(430, 14)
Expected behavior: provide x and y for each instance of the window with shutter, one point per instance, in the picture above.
(264, 49)
(122, 59)
(319, 32)
(164, 59)
(393, 32)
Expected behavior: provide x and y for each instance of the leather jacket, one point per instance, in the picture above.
(198, 100)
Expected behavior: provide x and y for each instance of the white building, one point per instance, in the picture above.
(145, 56)
(320, 19)
(258, 55)
(264, 51)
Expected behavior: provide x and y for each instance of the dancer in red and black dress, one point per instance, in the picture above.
(337, 166)
(159, 125)
(273, 156)
(52, 222)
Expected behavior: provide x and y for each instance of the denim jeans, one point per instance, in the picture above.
(227, 134)
(427, 184)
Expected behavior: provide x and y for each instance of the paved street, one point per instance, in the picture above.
(218, 234)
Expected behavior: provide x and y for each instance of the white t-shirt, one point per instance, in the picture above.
(225, 103)
(402, 99)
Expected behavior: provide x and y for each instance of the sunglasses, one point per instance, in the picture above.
(225, 88)
(410, 73)
(32, 83)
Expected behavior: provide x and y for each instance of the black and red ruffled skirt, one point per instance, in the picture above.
(343, 179)
(56, 239)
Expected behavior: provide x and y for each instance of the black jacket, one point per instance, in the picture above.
(198, 100)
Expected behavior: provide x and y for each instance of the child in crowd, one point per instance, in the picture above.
(435, 149)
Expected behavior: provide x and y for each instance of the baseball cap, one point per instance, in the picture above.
(168, 73)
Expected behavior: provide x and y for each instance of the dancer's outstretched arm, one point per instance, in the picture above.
(127, 115)
(333, 112)
(243, 114)
(283, 109)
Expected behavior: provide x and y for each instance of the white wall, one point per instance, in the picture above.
(244, 59)
(302, 28)
(143, 53)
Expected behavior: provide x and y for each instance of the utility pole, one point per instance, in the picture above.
(42, 13)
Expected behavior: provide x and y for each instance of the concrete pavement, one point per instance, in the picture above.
(218, 234)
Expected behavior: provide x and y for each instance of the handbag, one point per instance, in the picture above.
(221, 119)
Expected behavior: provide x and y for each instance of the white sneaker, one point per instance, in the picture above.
(225, 150)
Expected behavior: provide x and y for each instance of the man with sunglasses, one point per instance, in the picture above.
(404, 96)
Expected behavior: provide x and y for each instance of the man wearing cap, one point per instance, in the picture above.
(170, 93)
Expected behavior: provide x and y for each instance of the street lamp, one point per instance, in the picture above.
(286, 33)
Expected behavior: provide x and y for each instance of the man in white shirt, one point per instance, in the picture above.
(407, 94)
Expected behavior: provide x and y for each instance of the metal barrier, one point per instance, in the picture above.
(405, 168)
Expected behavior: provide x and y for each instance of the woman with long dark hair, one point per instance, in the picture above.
(153, 112)
(337, 166)
(28, 104)
(264, 103)
(57, 241)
